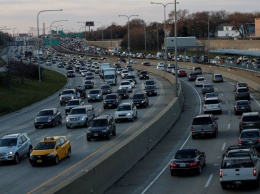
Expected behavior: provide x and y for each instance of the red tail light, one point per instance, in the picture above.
(259, 139)
(212, 127)
(173, 165)
(241, 123)
(205, 106)
(240, 142)
(220, 174)
(218, 105)
(254, 172)
(193, 164)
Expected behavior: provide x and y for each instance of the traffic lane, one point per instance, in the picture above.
(82, 146)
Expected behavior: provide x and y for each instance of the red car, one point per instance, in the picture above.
(182, 73)
(146, 64)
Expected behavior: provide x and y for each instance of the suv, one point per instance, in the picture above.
(95, 94)
(106, 89)
(126, 111)
(212, 104)
(140, 99)
(73, 103)
(206, 88)
(205, 124)
(217, 78)
(111, 100)
(242, 93)
(80, 116)
(197, 70)
(67, 95)
(249, 137)
(15, 146)
(101, 127)
(48, 117)
(249, 121)
(143, 75)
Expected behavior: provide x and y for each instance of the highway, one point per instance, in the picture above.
(152, 174)
(39, 179)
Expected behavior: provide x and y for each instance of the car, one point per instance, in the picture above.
(169, 69)
(149, 83)
(197, 70)
(102, 126)
(50, 150)
(210, 95)
(131, 77)
(207, 88)
(129, 67)
(48, 63)
(250, 120)
(150, 90)
(143, 75)
(69, 67)
(124, 73)
(217, 78)
(83, 73)
(203, 125)
(192, 76)
(95, 95)
(127, 85)
(106, 89)
(239, 85)
(212, 105)
(174, 71)
(90, 78)
(123, 93)
(140, 99)
(80, 116)
(182, 73)
(132, 82)
(119, 71)
(66, 95)
(49, 117)
(73, 103)
(125, 111)
(117, 65)
(242, 93)
(123, 60)
(13, 147)
(61, 65)
(70, 73)
(111, 100)
(187, 161)
(89, 74)
(200, 81)
(88, 84)
(242, 106)
(146, 64)
(160, 66)
(249, 137)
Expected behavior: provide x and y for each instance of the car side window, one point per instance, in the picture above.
(20, 141)
(24, 139)
(62, 141)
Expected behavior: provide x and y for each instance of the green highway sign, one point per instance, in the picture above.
(52, 42)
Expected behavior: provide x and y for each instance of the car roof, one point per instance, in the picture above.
(250, 114)
(53, 109)
(83, 106)
(52, 138)
(13, 135)
(212, 98)
(250, 130)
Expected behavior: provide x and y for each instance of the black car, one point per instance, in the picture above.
(106, 89)
(207, 88)
(48, 118)
(188, 161)
(111, 101)
(249, 120)
(140, 99)
(123, 93)
(117, 65)
(88, 84)
(101, 127)
(70, 73)
(143, 75)
(242, 106)
(242, 93)
(150, 90)
(192, 76)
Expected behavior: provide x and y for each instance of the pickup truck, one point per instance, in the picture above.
(240, 166)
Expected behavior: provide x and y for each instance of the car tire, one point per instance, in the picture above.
(108, 136)
(16, 159)
(60, 120)
(53, 123)
(56, 161)
(173, 173)
(235, 112)
(69, 153)
(36, 127)
(193, 136)
(116, 120)
(224, 187)
(67, 126)
(104, 107)
(88, 138)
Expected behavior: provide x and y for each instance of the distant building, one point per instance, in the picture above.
(228, 31)
(257, 27)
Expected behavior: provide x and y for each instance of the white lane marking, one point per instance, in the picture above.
(228, 126)
(210, 177)
(223, 147)
(226, 102)
(42, 137)
(229, 112)
(80, 136)
(222, 94)
(167, 165)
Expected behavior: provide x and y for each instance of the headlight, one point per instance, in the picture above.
(98, 95)
(35, 120)
(128, 114)
(67, 119)
(60, 98)
(89, 131)
(49, 119)
(83, 118)
(143, 101)
(88, 96)
(104, 130)
(51, 154)
(9, 153)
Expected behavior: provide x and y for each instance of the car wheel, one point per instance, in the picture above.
(235, 112)
(215, 134)
(104, 107)
(56, 160)
(36, 127)
(60, 121)
(108, 136)
(132, 119)
(69, 153)
(67, 126)
(53, 123)
(16, 159)
(224, 187)
(88, 139)
(193, 136)
(29, 151)
(173, 173)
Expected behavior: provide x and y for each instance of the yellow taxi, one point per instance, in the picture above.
(50, 150)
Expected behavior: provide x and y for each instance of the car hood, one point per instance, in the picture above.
(7, 149)
(110, 100)
(97, 128)
(42, 118)
(75, 115)
(41, 152)
(71, 106)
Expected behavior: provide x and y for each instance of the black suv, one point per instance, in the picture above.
(123, 93)
(143, 75)
(140, 99)
(111, 100)
(101, 127)
(250, 120)
(106, 89)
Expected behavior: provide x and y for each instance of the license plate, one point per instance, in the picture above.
(95, 134)
(250, 124)
(137, 104)
(238, 182)
(242, 107)
(39, 161)
(182, 165)
(150, 93)
(110, 105)
(202, 132)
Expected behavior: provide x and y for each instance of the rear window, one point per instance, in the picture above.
(211, 101)
(251, 118)
(249, 134)
(201, 121)
(242, 90)
(219, 76)
(200, 79)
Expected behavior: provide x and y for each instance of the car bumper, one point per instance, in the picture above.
(203, 133)
(41, 160)
(76, 123)
(6, 158)
(43, 124)
(96, 135)
(123, 117)
(184, 170)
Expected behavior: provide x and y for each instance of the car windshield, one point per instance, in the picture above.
(200, 79)
(123, 108)
(242, 90)
(99, 122)
(94, 91)
(46, 113)
(242, 103)
(8, 142)
(218, 76)
(121, 91)
(110, 97)
(185, 154)
(45, 146)
(138, 96)
(68, 92)
(73, 102)
(88, 82)
(149, 83)
(125, 83)
(78, 111)
(249, 134)
(201, 121)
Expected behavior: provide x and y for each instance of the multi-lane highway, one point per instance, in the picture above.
(152, 174)
(23, 178)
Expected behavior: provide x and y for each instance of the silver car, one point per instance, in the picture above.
(15, 146)
(95, 95)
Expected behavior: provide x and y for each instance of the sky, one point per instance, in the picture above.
(20, 16)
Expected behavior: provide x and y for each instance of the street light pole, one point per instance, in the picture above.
(57, 21)
(165, 46)
(39, 68)
(101, 35)
(85, 29)
(128, 17)
(175, 45)
(144, 37)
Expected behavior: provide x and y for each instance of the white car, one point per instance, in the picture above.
(126, 111)
(160, 66)
(212, 104)
(132, 82)
(83, 73)
(119, 71)
(127, 85)
(200, 81)
(124, 73)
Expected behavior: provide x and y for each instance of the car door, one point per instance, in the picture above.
(59, 149)
(21, 146)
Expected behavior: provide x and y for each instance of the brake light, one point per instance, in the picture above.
(259, 140)
(241, 123)
(212, 127)
(239, 142)
(193, 164)
(220, 173)
(173, 165)
(205, 106)
(218, 105)
(254, 172)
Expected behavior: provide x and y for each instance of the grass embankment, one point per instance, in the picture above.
(18, 96)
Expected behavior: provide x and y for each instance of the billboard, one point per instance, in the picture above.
(89, 23)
